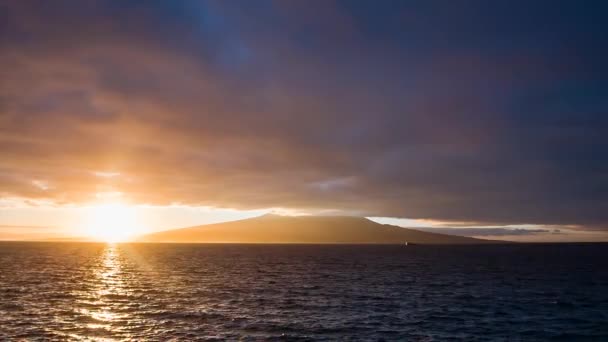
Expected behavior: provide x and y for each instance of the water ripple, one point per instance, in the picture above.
(71, 291)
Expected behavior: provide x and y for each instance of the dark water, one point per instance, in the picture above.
(71, 291)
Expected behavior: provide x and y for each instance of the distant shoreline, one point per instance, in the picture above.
(496, 243)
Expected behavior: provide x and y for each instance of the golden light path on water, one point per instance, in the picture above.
(103, 303)
(106, 280)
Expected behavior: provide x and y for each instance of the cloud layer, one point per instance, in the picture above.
(476, 112)
(494, 232)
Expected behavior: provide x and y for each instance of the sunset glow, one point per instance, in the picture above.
(112, 222)
(188, 109)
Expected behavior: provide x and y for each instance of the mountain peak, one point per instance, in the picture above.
(272, 228)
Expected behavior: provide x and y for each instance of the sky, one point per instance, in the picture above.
(436, 114)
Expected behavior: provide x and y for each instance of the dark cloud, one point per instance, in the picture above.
(490, 231)
(476, 112)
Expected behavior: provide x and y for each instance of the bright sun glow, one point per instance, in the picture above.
(112, 222)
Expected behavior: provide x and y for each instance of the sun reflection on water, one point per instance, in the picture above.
(101, 307)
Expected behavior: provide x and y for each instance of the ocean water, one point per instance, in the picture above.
(160, 292)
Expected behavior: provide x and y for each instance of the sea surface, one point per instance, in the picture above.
(161, 292)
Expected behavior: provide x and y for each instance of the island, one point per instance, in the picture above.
(306, 230)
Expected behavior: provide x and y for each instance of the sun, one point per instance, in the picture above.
(112, 222)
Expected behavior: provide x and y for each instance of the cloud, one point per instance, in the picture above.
(490, 231)
(419, 111)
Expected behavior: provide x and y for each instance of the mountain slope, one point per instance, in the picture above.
(305, 229)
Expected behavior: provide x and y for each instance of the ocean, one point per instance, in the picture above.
(160, 292)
